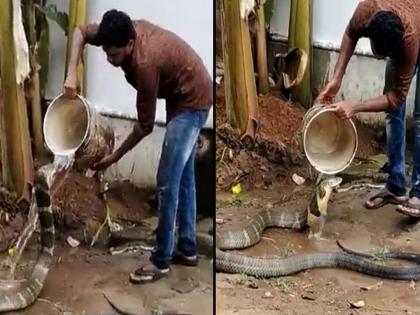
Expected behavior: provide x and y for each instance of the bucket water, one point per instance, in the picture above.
(329, 143)
(73, 128)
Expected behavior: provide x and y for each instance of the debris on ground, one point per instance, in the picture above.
(268, 295)
(358, 304)
(373, 286)
(72, 241)
(299, 180)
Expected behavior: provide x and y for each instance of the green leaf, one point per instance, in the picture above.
(269, 10)
(61, 18)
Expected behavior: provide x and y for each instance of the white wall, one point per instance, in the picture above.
(330, 18)
(107, 88)
(364, 77)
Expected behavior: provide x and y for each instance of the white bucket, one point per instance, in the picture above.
(73, 127)
(329, 143)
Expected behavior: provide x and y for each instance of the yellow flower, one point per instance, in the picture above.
(11, 251)
(236, 189)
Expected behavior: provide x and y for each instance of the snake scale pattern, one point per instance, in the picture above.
(276, 267)
(18, 295)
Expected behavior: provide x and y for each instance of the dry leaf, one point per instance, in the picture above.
(299, 180)
(373, 286)
(412, 285)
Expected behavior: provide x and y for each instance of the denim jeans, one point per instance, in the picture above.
(396, 130)
(176, 187)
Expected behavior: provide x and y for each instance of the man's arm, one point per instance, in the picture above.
(354, 31)
(81, 36)
(405, 65)
(147, 87)
(346, 51)
(347, 48)
(77, 46)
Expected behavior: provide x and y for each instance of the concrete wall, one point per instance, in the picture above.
(107, 89)
(365, 75)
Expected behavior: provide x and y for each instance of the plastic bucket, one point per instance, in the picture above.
(329, 143)
(72, 127)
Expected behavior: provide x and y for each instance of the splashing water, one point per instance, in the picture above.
(64, 162)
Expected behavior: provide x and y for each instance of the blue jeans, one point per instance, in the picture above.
(396, 130)
(176, 187)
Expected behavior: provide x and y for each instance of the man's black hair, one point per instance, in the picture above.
(386, 32)
(116, 29)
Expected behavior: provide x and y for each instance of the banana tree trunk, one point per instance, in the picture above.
(16, 148)
(43, 40)
(77, 17)
(240, 87)
(261, 52)
(33, 85)
(300, 36)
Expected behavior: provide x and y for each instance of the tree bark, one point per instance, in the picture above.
(33, 85)
(15, 146)
(262, 52)
(300, 36)
(240, 86)
(43, 40)
(77, 17)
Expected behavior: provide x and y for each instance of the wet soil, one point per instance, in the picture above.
(80, 276)
(318, 291)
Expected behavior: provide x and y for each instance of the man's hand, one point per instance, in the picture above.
(70, 87)
(107, 161)
(344, 109)
(329, 92)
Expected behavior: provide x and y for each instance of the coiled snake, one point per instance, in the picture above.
(275, 267)
(16, 295)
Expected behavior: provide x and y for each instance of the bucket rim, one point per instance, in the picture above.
(66, 152)
(356, 144)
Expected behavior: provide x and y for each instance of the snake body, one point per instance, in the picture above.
(275, 267)
(18, 295)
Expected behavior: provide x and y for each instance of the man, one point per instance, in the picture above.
(393, 27)
(158, 64)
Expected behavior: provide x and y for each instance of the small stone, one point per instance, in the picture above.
(268, 295)
(253, 285)
(72, 242)
(299, 180)
(358, 304)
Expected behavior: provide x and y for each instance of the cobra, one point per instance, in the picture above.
(15, 295)
(276, 267)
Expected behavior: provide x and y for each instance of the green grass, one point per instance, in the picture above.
(283, 284)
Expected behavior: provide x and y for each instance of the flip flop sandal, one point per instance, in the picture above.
(179, 259)
(410, 209)
(387, 198)
(142, 276)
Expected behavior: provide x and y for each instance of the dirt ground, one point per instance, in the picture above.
(318, 291)
(80, 276)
